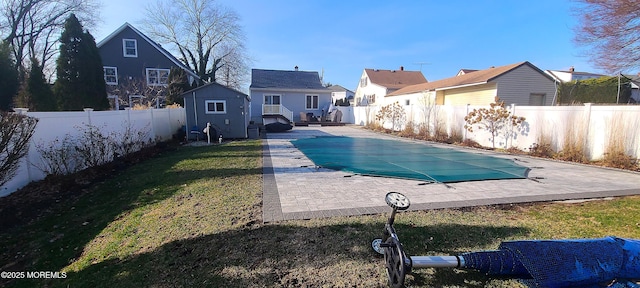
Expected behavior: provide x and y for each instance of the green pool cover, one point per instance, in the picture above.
(399, 159)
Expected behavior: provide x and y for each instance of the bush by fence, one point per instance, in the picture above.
(586, 131)
(65, 142)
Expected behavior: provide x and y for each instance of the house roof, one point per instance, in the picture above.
(465, 71)
(152, 43)
(587, 74)
(213, 84)
(395, 79)
(469, 79)
(284, 79)
(338, 88)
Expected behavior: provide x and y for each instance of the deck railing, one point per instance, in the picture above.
(269, 109)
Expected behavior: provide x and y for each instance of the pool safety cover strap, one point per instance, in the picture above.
(563, 263)
(402, 159)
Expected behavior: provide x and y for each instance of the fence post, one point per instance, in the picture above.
(153, 126)
(586, 136)
(511, 135)
(88, 110)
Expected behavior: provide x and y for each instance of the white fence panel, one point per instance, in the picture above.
(161, 124)
(596, 126)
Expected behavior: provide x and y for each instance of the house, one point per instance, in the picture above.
(135, 65)
(287, 96)
(226, 109)
(340, 93)
(375, 84)
(571, 75)
(520, 83)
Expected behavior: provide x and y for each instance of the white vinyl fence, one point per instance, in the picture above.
(161, 124)
(597, 126)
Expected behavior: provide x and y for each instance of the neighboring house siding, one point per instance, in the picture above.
(134, 67)
(292, 100)
(368, 90)
(232, 123)
(473, 95)
(517, 86)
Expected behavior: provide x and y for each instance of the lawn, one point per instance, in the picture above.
(192, 218)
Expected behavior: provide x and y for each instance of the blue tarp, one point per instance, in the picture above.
(563, 263)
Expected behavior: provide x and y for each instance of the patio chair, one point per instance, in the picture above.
(195, 131)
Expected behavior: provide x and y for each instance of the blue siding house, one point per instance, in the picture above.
(287, 96)
(135, 65)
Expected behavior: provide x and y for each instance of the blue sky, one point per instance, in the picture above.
(344, 37)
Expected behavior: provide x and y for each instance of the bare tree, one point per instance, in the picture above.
(136, 92)
(207, 36)
(34, 26)
(611, 29)
(15, 135)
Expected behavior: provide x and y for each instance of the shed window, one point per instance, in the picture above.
(216, 106)
(130, 47)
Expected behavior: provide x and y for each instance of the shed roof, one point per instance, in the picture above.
(472, 78)
(285, 79)
(395, 79)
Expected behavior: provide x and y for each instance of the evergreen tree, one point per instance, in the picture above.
(80, 80)
(9, 82)
(36, 93)
(178, 83)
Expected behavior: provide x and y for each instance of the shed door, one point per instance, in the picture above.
(536, 99)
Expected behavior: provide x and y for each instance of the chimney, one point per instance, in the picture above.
(401, 68)
(296, 67)
(571, 69)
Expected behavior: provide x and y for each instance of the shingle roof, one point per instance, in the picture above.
(477, 77)
(395, 79)
(285, 79)
(338, 88)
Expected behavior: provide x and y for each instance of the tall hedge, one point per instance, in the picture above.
(597, 90)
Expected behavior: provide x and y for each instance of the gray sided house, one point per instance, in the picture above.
(128, 57)
(226, 109)
(285, 96)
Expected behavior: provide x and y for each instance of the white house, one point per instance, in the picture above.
(571, 75)
(339, 92)
(375, 84)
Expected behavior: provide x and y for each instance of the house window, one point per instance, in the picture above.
(157, 77)
(215, 106)
(130, 47)
(272, 99)
(312, 102)
(371, 99)
(407, 102)
(363, 82)
(110, 75)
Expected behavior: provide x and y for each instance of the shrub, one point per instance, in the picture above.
(393, 113)
(15, 133)
(541, 150)
(89, 149)
(409, 130)
(494, 119)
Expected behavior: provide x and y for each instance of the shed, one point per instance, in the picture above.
(226, 109)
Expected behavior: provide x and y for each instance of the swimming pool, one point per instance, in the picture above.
(401, 159)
